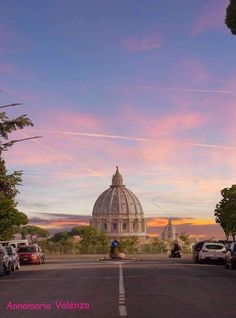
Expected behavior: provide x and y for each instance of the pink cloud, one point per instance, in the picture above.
(72, 121)
(143, 42)
(212, 17)
(166, 124)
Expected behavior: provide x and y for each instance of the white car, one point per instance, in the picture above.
(214, 251)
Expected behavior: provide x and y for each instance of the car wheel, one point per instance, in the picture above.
(8, 270)
(1, 269)
(233, 266)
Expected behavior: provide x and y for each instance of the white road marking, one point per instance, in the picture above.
(122, 307)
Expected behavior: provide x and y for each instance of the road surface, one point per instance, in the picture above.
(161, 288)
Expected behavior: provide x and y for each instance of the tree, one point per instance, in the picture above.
(129, 244)
(155, 246)
(230, 19)
(225, 211)
(92, 241)
(33, 230)
(10, 218)
(8, 182)
(60, 237)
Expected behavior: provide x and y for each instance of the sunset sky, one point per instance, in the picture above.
(149, 86)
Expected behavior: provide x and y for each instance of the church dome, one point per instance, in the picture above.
(117, 200)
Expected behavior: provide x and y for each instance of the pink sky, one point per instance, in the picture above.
(150, 88)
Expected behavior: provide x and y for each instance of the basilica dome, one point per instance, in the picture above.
(118, 211)
(117, 200)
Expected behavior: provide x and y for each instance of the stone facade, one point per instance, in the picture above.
(118, 212)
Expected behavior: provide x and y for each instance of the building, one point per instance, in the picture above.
(169, 232)
(118, 212)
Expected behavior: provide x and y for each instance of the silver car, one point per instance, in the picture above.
(5, 265)
(13, 258)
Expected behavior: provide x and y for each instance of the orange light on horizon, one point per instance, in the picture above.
(191, 221)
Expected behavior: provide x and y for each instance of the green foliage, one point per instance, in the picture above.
(230, 19)
(10, 218)
(184, 238)
(155, 247)
(60, 237)
(7, 125)
(129, 245)
(225, 211)
(91, 242)
(33, 230)
(8, 182)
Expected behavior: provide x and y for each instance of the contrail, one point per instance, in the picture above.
(70, 133)
(96, 173)
(119, 137)
(179, 89)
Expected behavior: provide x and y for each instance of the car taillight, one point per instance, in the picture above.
(204, 251)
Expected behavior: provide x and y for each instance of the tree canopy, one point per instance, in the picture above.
(230, 19)
(33, 230)
(225, 211)
(10, 217)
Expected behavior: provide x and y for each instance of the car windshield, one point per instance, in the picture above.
(27, 249)
(214, 247)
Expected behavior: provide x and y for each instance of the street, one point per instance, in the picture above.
(69, 286)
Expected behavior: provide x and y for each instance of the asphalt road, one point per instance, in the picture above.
(75, 287)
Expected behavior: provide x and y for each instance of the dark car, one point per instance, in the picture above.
(13, 258)
(31, 254)
(230, 257)
(196, 249)
(5, 265)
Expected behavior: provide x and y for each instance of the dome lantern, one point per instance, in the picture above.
(117, 179)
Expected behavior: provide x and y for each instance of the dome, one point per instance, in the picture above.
(169, 231)
(117, 200)
(118, 212)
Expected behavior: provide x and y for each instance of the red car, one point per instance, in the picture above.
(31, 254)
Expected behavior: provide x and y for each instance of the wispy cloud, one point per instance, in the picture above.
(143, 42)
(140, 139)
(150, 87)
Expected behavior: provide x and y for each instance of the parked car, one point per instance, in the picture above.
(13, 258)
(230, 256)
(5, 265)
(196, 249)
(31, 254)
(208, 251)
